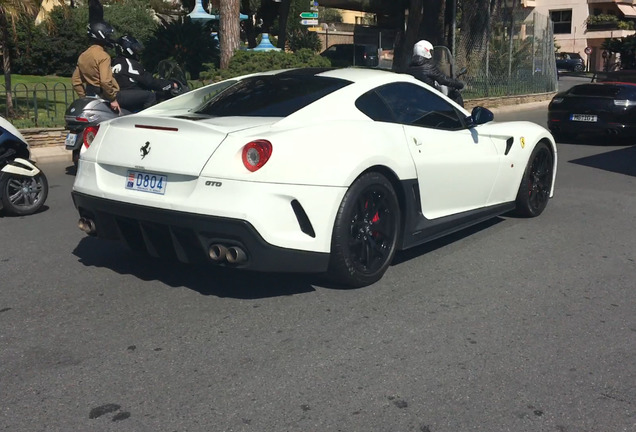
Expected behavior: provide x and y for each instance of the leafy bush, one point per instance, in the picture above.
(184, 41)
(245, 62)
(626, 47)
(53, 48)
(131, 17)
(303, 39)
(613, 20)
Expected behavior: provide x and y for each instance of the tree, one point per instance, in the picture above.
(10, 12)
(229, 30)
(184, 41)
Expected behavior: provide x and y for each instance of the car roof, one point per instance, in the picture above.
(353, 74)
(358, 74)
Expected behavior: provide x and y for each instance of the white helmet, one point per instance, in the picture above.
(423, 48)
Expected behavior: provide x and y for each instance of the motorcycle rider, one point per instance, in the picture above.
(423, 67)
(135, 83)
(93, 75)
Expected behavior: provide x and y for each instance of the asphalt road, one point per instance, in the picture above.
(514, 325)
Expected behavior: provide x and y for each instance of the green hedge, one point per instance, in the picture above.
(245, 62)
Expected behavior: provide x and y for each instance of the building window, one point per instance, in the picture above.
(562, 20)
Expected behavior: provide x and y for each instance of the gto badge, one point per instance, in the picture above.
(523, 142)
(145, 149)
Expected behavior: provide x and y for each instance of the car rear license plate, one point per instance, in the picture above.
(70, 140)
(146, 182)
(583, 117)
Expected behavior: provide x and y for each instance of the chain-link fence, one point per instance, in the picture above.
(506, 54)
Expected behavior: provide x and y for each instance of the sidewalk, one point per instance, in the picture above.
(43, 155)
(58, 153)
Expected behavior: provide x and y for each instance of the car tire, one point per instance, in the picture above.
(578, 68)
(365, 233)
(23, 195)
(534, 191)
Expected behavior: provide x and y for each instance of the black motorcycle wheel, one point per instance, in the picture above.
(23, 195)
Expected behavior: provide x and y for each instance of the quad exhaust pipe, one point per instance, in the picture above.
(235, 255)
(232, 255)
(217, 252)
(87, 225)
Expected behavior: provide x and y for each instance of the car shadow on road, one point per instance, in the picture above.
(620, 161)
(595, 140)
(441, 242)
(204, 279)
(224, 282)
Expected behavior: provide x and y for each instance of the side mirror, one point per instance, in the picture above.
(481, 115)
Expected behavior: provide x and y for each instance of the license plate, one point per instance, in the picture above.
(70, 141)
(583, 117)
(146, 182)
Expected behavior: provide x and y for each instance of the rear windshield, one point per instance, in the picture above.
(595, 90)
(271, 95)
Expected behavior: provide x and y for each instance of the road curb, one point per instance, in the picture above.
(520, 107)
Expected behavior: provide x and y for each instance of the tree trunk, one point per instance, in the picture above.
(407, 39)
(229, 30)
(283, 15)
(6, 64)
(431, 25)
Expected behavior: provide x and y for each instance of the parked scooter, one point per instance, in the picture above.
(23, 186)
(83, 116)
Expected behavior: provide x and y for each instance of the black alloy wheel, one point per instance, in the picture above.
(365, 232)
(534, 191)
(23, 195)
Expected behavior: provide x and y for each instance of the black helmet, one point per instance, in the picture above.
(128, 46)
(100, 32)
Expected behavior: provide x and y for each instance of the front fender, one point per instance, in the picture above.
(21, 167)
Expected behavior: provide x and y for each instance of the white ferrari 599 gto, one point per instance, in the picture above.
(308, 170)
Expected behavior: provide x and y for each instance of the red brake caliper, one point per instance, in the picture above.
(376, 219)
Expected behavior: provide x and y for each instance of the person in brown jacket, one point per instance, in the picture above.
(93, 75)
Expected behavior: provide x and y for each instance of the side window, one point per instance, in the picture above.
(373, 106)
(417, 106)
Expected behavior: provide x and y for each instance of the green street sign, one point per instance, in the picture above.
(309, 14)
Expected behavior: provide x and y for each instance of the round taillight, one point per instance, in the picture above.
(89, 135)
(256, 154)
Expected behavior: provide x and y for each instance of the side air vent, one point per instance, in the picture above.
(509, 142)
(303, 220)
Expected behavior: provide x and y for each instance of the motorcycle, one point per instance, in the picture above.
(23, 186)
(83, 116)
(445, 63)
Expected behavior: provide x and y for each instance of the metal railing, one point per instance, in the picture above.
(43, 105)
(39, 104)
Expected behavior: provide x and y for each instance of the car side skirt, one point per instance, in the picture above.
(418, 229)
